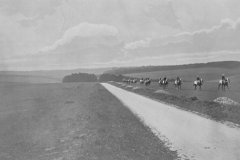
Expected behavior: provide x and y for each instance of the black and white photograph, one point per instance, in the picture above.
(119, 80)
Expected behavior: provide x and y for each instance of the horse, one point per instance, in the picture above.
(223, 83)
(129, 81)
(141, 81)
(134, 81)
(163, 82)
(147, 82)
(198, 83)
(178, 84)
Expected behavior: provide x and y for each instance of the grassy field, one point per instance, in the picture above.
(209, 90)
(4, 78)
(74, 121)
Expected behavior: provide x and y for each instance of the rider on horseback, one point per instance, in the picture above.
(198, 78)
(178, 78)
(165, 79)
(223, 77)
(224, 82)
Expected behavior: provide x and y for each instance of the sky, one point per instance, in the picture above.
(67, 34)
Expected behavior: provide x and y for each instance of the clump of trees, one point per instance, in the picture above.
(85, 77)
(80, 77)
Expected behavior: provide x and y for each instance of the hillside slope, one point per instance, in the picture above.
(226, 65)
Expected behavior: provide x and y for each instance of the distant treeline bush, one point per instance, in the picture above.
(85, 77)
(80, 77)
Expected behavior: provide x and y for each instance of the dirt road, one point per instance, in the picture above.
(193, 136)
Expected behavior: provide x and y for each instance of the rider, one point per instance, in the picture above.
(223, 77)
(178, 78)
(198, 78)
(165, 78)
(165, 81)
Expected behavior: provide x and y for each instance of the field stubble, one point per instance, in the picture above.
(74, 121)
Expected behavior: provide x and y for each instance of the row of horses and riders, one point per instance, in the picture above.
(223, 82)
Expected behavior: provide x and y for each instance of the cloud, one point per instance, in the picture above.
(84, 30)
(138, 44)
(29, 8)
(164, 14)
(222, 37)
(99, 44)
(225, 36)
(82, 45)
(220, 42)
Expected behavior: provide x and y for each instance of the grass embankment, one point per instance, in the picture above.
(74, 121)
(211, 109)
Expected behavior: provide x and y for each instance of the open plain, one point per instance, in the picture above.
(73, 121)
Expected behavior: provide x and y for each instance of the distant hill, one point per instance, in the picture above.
(44, 76)
(209, 71)
(58, 76)
(27, 79)
(221, 65)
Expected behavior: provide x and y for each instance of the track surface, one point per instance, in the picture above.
(193, 136)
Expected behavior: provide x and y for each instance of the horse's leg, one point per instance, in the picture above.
(227, 86)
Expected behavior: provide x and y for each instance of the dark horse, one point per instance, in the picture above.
(147, 82)
(178, 84)
(163, 82)
(224, 83)
(198, 83)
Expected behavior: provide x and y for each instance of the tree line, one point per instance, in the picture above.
(86, 77)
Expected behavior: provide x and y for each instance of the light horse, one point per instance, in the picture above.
(178, 84)
(163, 83)
(198, 83)
(141, 81)
(224, 83)
(147, 81)
(134, 80)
